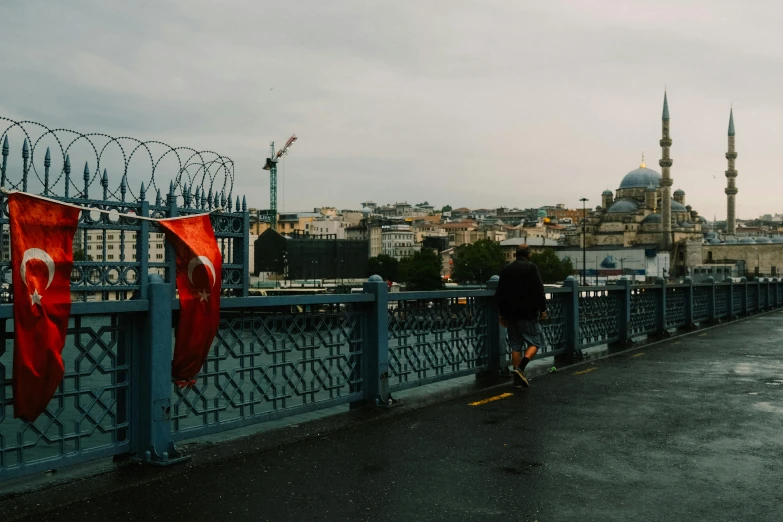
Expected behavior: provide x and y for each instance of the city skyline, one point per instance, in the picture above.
(481, 103)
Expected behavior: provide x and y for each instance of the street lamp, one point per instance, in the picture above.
(584, 241)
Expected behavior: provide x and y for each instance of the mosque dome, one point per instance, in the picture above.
(607, 192)
(777, 239)
(763, 240)
(624, 206)
(679, 192)
(732, 240)
(746, 241)
(541, 213)
(685, 224)
(641, 178)
(650, 189)
(677, 207)
(714, 241)
(651, 219)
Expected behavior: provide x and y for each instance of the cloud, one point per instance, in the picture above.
(467, 102)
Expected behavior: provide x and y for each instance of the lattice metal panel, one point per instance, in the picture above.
(87, 417)
(675, 307)
(554, 325)
(430, 339)
(267, 362)
(763, 294)
(701, 298)
(722, 300)
(753, 292)
(598, 317)
(779, 290)
(644, 311)
(739, 299)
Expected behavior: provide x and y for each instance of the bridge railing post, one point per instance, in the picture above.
(494, 329)
(744, 283)
(152, 413)
(571, 306)
(688, 302)
(375, 360)
(660, 330)
(711, 312)
(768, 300)
(757, 282)
(624, 307)
(730, 299)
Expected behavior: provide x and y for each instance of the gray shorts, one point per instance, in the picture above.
(523, 333)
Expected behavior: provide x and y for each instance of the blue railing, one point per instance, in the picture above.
(279, 356)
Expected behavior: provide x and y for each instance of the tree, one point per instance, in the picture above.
(425, 204)
(446, 208)
(478, 262)
(551, 267)
(422, 271)
(78, 254)
(385, 266)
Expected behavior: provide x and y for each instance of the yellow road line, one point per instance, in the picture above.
(585, 371)
(491, 399)
(638, 354)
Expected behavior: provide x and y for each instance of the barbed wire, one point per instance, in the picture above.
(204, 173)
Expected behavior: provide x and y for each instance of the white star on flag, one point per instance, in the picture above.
(35, 297)
(203, 295)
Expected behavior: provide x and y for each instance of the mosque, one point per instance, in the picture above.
(643, 212)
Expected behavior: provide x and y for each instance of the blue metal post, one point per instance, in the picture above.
(571, 316)
(494, 330)
(142, 246)
(744, 282)
(688, 302)
(730, 299)
(769, 297)
(660, 330)
(757, 282)
(244, 248)
(624, 307)
(153, 406)
(711, 314)
(375, 367)
(171, 258)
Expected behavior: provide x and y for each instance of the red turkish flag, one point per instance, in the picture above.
(41, 262)
(199, 269)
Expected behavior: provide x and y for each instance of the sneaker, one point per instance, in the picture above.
(520, 381)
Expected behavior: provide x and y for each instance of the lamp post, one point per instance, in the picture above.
(584, 241)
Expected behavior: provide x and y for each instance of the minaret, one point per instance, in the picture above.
(731, 186)
(666, 180)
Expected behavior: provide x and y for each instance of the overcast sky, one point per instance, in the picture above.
(476, 103)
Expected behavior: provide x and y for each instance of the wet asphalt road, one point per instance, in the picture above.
(691, 429)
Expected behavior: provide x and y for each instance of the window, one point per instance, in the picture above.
(774, 271)
(89, 247)
(133, 236)
(110, 247)
(159, 236)
(89, 238)
(110, 256)
(100, 257)
(159, 246)
(98, 247)
(158, 256)
(133, 256)
(110, 236)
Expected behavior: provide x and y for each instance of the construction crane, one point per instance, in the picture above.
(271, 166)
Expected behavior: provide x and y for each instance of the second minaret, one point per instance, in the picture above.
(731, 186)
(666, 181)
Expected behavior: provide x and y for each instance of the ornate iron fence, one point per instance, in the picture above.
(278, 356)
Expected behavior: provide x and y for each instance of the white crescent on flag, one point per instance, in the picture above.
(201, 260)
(41, 255)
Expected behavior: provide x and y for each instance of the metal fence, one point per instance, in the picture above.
(279, 356)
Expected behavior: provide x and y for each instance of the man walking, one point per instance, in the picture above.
(522, 302)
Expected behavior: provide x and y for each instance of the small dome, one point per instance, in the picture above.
(714, 241)
(731, 240)
(763, 240)
(777, 239)
(641, 178)
(651, 219)
(650, 189)
(607, 192)
(685, 224)
(701, 219)
(624, 206)
(542, 213)
(677, 207)
(679, 192)
(366, 211)
(746, 241)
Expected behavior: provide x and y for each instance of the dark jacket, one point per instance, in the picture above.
(520, 292)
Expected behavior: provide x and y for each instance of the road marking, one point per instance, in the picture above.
(585, 371)
(638, 354)
(491, 399)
